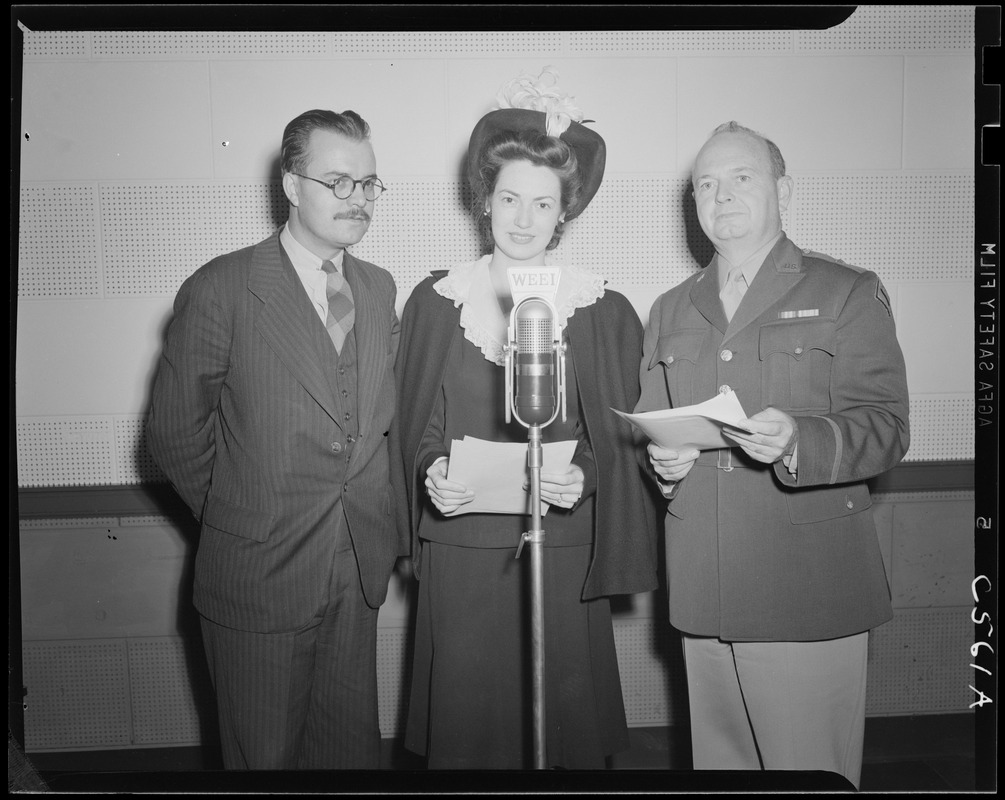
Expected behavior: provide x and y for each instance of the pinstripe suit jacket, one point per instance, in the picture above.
(243, 423)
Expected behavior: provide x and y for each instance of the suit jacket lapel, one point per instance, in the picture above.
(705, 297)
(370, 339)
(288, 322)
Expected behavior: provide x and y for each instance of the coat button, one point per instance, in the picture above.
(850, 504)
(799, 351)
(668, 360)
(726, 355)
(725, 389)
(336, 447)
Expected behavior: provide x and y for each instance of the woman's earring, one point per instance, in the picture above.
(486, 213)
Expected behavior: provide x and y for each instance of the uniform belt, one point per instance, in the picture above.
(727, 459)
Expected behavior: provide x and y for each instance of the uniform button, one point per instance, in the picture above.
(345, 487)
(799, 351)
(336, 447)
(345, 392)
(724, 389)
(669, 359)
(726, 355)
(850, 504)
(348, 415)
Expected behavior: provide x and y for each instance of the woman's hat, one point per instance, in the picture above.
(531, 105)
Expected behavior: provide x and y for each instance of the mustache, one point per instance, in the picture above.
(360, 214)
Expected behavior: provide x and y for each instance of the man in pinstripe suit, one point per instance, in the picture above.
(270, 413)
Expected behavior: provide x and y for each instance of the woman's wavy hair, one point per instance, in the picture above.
(540, 150)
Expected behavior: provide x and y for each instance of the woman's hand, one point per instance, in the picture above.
(446, 495)
(562, 489)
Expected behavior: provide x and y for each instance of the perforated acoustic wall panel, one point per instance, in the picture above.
(79, 451)
(942, 428)
(157, 234)
(448, 44)
(920, 659)
(223, 44)
(59, 246)
(653, 683)
(682, 43)
(71, 451)
(151, 692)
(902, 227)
(164, 697)
(393, 678)
(419, 226)
(77, 695)
(56, 44)
(896, 29)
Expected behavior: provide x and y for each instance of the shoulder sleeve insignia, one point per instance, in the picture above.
(883, 297)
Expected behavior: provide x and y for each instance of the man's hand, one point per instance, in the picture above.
(773, 435)
(671, 465)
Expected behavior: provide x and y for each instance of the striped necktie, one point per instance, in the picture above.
(341, 311)
(733, 291)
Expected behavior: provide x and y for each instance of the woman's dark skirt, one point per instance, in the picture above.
(470, 705)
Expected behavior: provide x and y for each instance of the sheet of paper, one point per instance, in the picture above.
(497, 472)
(698, 426)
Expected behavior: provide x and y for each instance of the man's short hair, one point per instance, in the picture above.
(298, 132)
(774, 154)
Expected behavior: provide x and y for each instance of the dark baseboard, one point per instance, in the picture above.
(155, 499)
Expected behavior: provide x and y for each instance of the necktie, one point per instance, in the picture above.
(341, 312)
(733, 291)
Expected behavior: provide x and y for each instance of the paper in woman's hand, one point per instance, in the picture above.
(697, 427)
(497, 472)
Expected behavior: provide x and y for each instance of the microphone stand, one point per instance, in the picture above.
(535, 536)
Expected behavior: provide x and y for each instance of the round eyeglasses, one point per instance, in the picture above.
(344, 186)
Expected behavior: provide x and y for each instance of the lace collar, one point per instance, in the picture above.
(470, 288)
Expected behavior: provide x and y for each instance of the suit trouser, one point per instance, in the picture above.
(304, 699)
(778, 705)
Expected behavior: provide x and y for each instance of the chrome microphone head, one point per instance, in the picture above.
(533, 337)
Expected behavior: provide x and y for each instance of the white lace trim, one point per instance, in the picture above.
(469, 287)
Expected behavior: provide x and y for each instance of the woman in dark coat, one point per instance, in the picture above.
(470, 703)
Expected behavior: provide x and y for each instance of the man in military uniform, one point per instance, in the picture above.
(775, 574)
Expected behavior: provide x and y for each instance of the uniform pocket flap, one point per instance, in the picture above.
(797, 338)
(236, 520)
(682, 345)
(831, 502)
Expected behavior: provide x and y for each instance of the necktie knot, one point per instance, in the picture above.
(733, 291)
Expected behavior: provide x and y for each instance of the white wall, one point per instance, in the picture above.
(144, 154)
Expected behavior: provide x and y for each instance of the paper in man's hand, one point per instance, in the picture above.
(697, 427)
